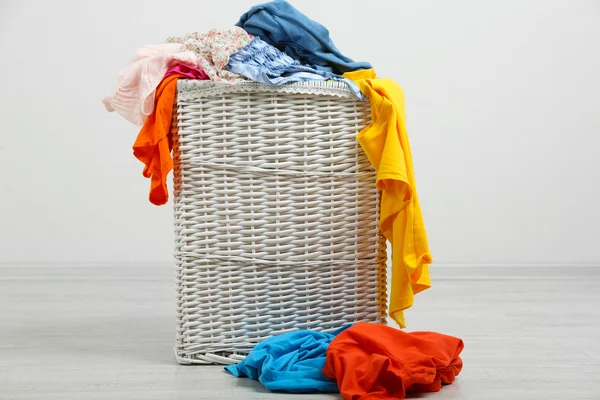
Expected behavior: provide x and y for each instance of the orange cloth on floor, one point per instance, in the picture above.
(371, 361)
(153, 144)
(385, 142)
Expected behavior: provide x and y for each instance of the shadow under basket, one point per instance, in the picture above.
(276, 216)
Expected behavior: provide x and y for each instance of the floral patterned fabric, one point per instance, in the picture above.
(214, 48)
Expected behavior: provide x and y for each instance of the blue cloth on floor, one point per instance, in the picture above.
(281, 25)
(264, 63)
(290, 362)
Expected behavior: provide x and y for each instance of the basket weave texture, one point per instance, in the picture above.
(276, 216)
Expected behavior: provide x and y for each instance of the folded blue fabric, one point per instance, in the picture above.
(281, 25)
(264, 63)
(291, 362)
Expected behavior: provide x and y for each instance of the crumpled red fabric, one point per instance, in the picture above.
(371, 361)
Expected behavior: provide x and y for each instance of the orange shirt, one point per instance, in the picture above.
(153, 144)
(373, 361)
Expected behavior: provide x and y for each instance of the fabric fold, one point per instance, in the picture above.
(187, 71)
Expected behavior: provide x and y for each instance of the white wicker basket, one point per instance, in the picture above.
(276, 216)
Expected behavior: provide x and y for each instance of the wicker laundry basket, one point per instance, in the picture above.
(276, 216)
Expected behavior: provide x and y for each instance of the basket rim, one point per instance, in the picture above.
(190, 89)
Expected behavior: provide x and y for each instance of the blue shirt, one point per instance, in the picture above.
(290, 362)
(281, 25)
(264, 63)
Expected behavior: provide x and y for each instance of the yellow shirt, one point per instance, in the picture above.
(385, 142)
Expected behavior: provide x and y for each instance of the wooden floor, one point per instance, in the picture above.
(107, 333)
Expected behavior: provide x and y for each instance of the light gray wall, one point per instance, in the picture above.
(503, 103)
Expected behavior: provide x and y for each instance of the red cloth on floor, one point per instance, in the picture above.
(371, 361)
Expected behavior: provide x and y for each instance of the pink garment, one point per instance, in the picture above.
(187, 71)
(134, 97)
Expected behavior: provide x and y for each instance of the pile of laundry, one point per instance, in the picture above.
(363, 361)
(275, 44)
